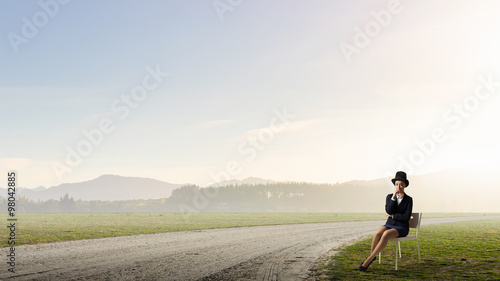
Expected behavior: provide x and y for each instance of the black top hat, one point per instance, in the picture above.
(400, 176)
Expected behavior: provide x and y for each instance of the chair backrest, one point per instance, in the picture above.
(415, 220)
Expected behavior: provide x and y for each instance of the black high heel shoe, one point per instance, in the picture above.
(362, 268)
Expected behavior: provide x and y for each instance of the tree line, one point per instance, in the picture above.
(271, 197)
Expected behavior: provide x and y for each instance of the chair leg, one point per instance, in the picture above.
(399, 244)
(418, 247)
(397, 256)
(379, 257)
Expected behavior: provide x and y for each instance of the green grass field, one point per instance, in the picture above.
(455, 251)
(34, 228)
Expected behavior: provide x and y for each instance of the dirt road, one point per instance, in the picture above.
(283, 252)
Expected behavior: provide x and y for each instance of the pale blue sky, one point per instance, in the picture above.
(353, 118)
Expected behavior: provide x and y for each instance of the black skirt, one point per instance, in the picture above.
(403, 231)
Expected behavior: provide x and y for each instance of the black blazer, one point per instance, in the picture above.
(400, 214)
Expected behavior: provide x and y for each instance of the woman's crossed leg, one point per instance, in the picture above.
(379, 242)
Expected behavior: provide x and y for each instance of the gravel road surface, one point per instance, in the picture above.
(282, 252)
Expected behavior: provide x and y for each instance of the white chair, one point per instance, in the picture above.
(414, 223)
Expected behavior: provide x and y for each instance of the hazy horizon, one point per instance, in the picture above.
(111, 193)
(198, 92)
(236, 179)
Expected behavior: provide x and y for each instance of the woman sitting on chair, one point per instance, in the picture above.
(398, 207)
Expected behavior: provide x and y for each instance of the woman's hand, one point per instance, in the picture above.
(388, 215)
(394, 195)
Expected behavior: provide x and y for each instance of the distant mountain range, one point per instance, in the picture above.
(460, 190)
(105, 188)
(113, 187)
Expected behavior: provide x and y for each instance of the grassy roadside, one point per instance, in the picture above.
(34, 228)
(454, 251)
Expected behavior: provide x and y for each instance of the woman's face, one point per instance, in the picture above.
(400, 186)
